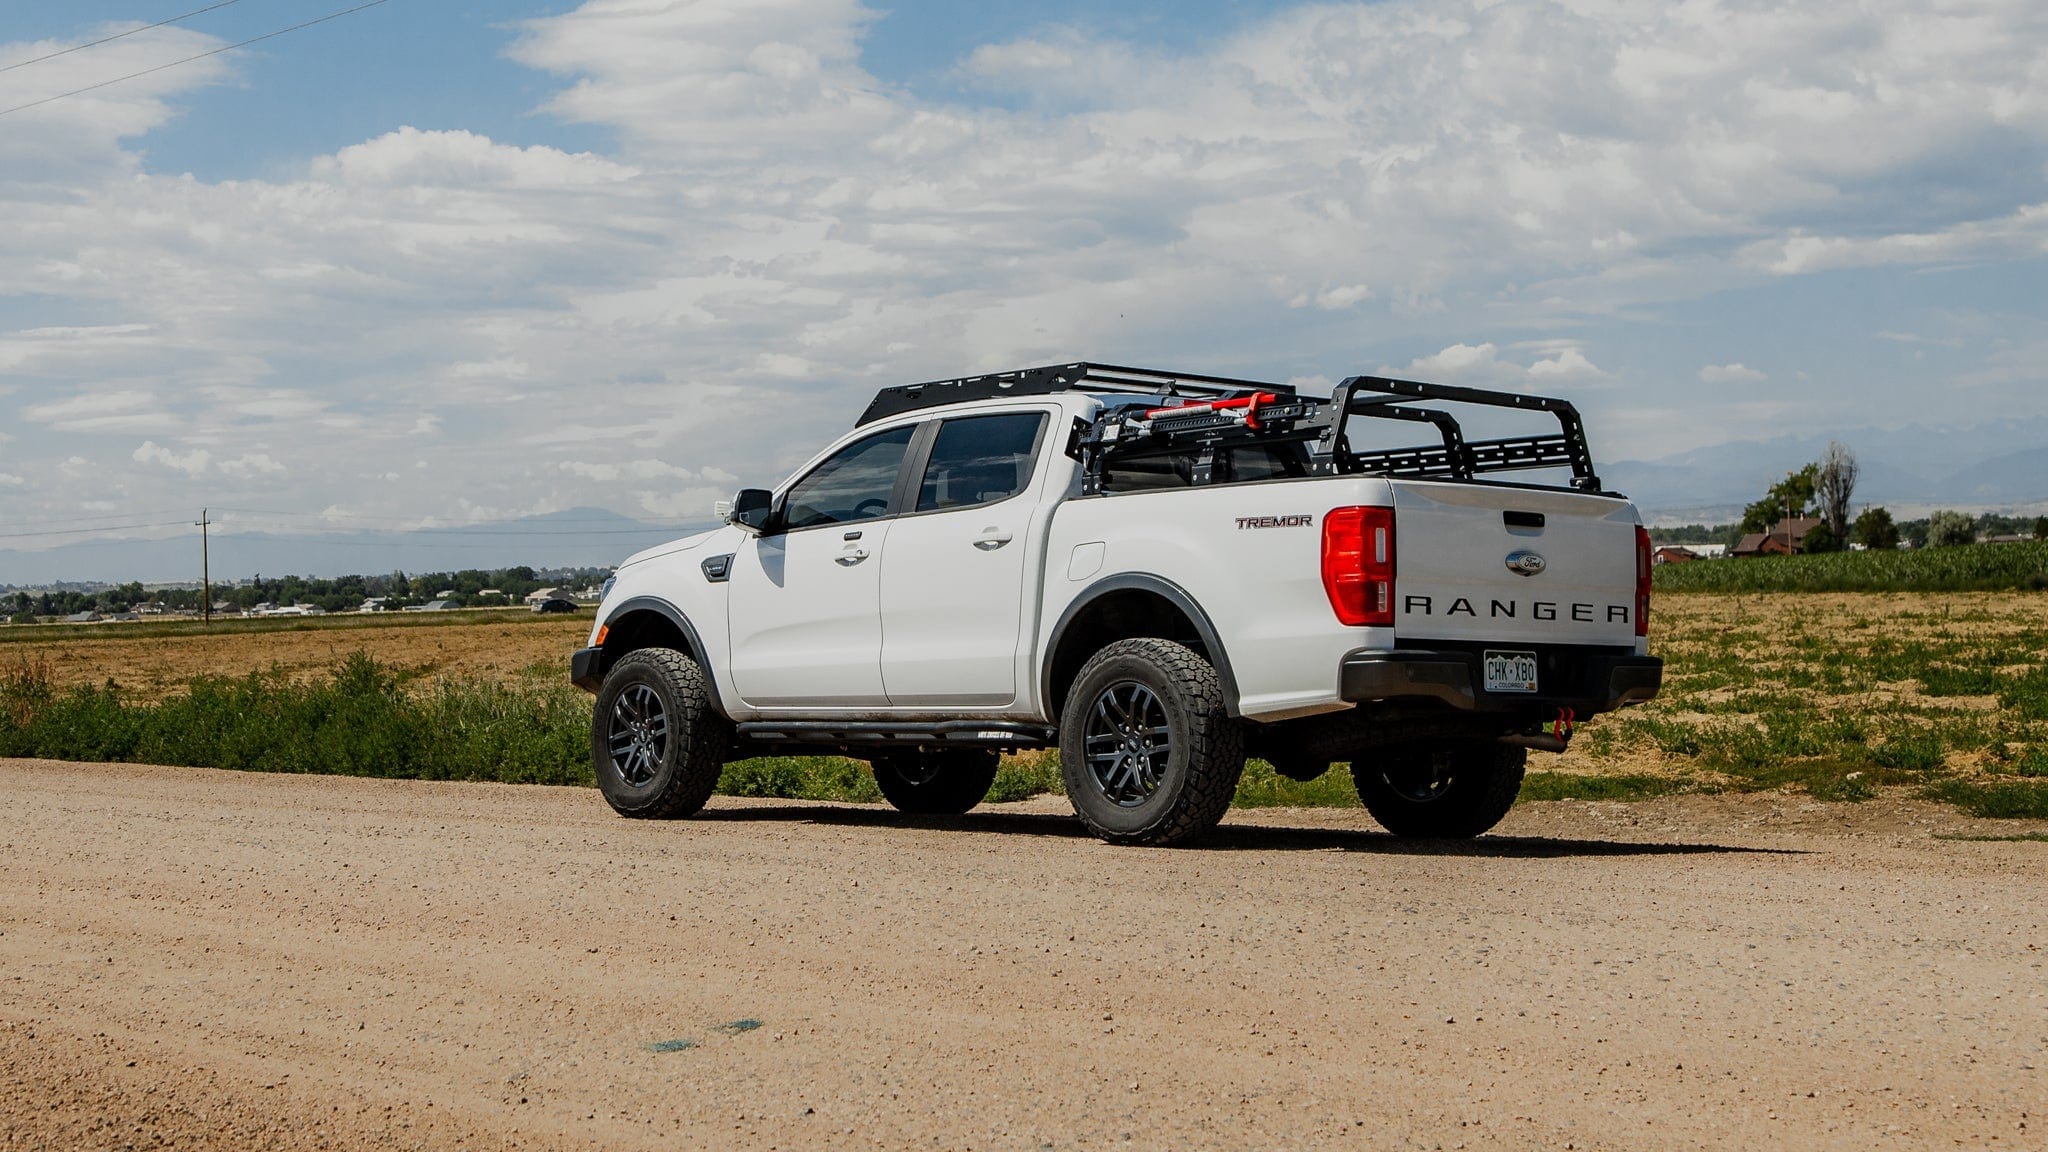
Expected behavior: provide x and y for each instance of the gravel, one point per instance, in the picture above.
(204, 959)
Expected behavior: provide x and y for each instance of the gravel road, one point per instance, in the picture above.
(205, 959)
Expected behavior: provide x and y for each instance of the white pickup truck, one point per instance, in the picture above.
(1159, 574)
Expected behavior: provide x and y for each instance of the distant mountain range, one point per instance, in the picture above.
(2002, 466)
(573, 538)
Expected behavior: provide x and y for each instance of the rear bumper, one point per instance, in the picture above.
(1587, 682)
(586, 670)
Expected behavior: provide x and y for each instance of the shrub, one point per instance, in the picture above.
(1947, 529)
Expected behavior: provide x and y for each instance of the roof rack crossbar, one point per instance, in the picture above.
(1078, 377)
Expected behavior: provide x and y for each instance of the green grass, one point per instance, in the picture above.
(1624, 786)
(1998, 799)
(1976, 567)
(1261, 787)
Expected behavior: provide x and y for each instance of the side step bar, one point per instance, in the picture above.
(982, 733)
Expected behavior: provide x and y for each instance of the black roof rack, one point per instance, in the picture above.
(1081, 377)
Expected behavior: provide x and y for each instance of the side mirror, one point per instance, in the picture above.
(752, 508)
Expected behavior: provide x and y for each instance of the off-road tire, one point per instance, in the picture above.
(938, 781)
(1451, 790)
(1197, 775)
(678, 776)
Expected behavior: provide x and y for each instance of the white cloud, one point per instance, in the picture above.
(190, 463)
(778, 232)
(250, 464)
(1482, 365)
(121, 410)
(1730, 374)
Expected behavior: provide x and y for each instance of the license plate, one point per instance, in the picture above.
(1510, 671)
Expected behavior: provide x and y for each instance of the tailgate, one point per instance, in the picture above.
(1496, 564)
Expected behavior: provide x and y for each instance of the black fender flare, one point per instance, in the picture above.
(675, 616)
(1165, 589)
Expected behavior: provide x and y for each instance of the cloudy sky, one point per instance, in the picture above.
(444, 261)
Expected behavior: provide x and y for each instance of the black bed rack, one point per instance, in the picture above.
(1456, 458)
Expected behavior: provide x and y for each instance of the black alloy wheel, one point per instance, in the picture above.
(1129, 743)
(638, 734)
(1453, 790)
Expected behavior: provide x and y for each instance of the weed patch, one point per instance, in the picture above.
(1995, 800)
(1625, 786)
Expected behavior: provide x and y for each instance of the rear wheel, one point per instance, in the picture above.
(656, 743)
(1450, 791)
(938, 781)
(1148, 752)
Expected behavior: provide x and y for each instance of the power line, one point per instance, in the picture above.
(129, 515)
(92, 531)
(187, 60)
(117, 36)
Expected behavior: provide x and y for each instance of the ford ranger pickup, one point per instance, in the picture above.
(1157, 574)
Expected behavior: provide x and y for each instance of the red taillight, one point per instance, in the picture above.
(1643, 565)
(1358, 565)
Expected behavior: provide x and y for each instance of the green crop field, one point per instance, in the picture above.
(1968, 568)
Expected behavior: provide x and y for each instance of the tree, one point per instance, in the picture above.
(1792, 496)
(1875, 530)
(2041, 527)
(1820, 538)
(1834, 483)
(1946, 529)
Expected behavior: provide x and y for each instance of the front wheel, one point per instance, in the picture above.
(936, 782)
(656, 742)
(1452, 791)
(1148, 752)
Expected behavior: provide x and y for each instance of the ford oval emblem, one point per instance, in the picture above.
(1525, 563)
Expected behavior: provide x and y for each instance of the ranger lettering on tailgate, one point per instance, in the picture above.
(1545, 610)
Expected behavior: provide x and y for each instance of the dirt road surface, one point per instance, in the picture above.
(204, 959)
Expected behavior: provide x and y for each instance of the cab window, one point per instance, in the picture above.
(852, 484)
(980, 460)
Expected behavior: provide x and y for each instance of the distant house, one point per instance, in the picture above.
(1786, 538)
(435, 606)
(86, 617)
(1673, 554)
(2004, 538)
(533, 598)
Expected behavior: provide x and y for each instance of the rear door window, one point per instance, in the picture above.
(980, 460)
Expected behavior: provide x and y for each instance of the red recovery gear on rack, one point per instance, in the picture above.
(1250, 404)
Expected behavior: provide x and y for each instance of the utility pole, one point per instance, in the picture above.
(205, 573)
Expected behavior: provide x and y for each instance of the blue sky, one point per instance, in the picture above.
(442, 64)
(442, 261)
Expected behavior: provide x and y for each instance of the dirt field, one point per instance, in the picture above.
(150, 661)
(208, 960)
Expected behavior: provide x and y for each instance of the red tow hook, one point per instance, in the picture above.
(1565, 724)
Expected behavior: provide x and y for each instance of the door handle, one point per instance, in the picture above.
(851, 556)
(990, 540)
